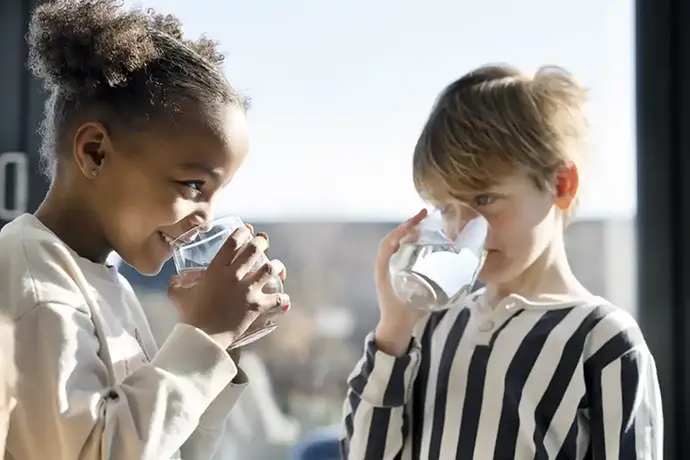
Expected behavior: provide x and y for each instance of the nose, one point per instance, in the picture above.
(202, 217)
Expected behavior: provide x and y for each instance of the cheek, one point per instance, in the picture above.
(509, 232)
(139, 208)
(522, 234)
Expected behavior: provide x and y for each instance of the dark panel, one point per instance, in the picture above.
(663, 115)
(22, 186)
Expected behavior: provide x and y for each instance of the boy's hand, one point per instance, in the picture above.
(396, 325)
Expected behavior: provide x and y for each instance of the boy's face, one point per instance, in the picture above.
(522, 222)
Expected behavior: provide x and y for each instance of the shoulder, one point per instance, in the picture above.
(35, 267)
(614, 333)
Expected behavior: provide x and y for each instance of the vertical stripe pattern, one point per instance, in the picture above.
(521, 381)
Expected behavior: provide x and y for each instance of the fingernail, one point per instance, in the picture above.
(249, 227)
(263, 235)
(286, 308)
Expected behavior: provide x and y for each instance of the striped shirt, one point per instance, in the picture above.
(520, 381)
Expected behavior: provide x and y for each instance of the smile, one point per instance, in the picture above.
(166, 239)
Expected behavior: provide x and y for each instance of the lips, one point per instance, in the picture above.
(166, 239)
(181, 239)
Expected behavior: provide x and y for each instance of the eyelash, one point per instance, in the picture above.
(195, 185)
(478, 201)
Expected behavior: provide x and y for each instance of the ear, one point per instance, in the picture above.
(91, 148)
(567, 184)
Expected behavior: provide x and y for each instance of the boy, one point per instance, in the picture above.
(532, 366)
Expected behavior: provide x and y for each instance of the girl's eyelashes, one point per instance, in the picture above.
(192, 187)
(195, 184)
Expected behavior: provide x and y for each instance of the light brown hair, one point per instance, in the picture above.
(496, 121)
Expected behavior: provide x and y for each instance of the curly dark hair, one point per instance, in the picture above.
(125, 69)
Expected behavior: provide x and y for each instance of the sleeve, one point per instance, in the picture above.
(626, 418)
(174, 403)
(376, 414)
(204, 441)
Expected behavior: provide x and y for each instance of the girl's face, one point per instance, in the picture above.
(151, 188)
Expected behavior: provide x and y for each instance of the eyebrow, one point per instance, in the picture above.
(216, 173)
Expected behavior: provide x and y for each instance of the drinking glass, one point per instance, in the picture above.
(439, 261)
(194, 250)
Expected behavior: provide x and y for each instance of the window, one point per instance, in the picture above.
(340, 91)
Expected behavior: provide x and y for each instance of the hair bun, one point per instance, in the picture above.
(80, 45)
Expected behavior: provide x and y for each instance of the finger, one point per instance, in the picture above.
(391, 243)
(179, 296)
(263, 321)
(228, 252)
(268, 317)
(187, 279)
(267, 272)
(404, 228)
(250, 227)
(249, 255)
(263, 235)
(417, 218)
(277, 311)
(276, 301)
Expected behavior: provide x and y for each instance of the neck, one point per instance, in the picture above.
(549, 278)
(69, 218)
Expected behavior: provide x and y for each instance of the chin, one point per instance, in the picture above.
(147, 266)
(151, 268)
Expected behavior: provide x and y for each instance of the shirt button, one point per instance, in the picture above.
(486, 327)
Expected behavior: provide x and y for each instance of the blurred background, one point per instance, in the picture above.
(340, 91)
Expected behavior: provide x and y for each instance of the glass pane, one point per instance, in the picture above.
(340, 91)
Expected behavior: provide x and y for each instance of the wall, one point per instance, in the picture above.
(22, 186)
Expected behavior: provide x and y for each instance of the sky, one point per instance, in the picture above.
(341, 89)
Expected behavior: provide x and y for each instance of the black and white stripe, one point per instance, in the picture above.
(519, 381)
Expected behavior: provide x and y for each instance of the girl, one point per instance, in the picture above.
(141, 131)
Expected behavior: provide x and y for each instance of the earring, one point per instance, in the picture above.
(94, 173)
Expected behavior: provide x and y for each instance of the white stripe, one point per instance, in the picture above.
(583, 436)
(362, 424)
(378, 381)
(643, 415)
(394, 438)
(504, 350)
(612, 405)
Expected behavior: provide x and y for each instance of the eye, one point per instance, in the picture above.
(484, 200)
(193, 186)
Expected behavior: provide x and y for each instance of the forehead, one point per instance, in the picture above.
(192, 143)
(515, 183)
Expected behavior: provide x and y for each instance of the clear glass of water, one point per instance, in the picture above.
(194, 250)
(438, 263)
